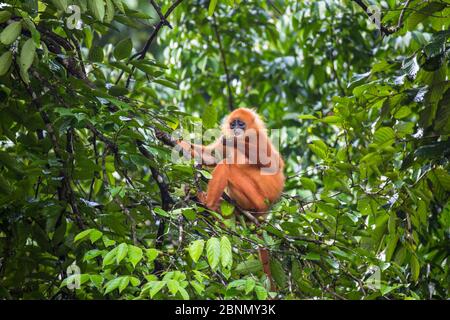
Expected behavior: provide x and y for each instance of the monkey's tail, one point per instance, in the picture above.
(265, 260)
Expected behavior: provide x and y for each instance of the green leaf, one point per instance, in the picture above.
(249, 266)
(122, 251)
(209, 117)
(61, 4)
(97, 8)
(5, 62)
(278, 273)
(12, 164)
(189, 214)
(328, 209)
(108, 242)
(135, 254)
(415, 267)
(119, 5)
(110, 11)
(249, 285)
(384, 136)
(331, 119)
(443, 178)
(96, 54)
(167, 83)
(24, 75)
(312, 256)
(110, 257)
(321, 153)
(206, 174)
(199, 288)
(213, 252)
(307, 117)
(124, 283)
(421, 15)
(184, 294)
(173, 286)
(95, 235)
(403, 112)
(411, 67)
(82, 235)
(34, 32)
(196, 249)
(308, 184)
(161, 212)
(97, 280)
(10, 33)
(358, 79)
(134, 281)
(212, 7)
(5, 187)
(261, 293)
(226, 208)
(151, 254)
(226, 254)
(91, 254)
(112, 284)
(392, 244)
(4, 16)
(123, 49)
(156, 286)
(118, 91)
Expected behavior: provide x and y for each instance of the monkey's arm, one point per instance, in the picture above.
(209, 155)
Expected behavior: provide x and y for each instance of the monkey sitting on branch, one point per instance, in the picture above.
(246, 165)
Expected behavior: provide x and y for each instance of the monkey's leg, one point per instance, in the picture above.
(216, 186)
(247, 194)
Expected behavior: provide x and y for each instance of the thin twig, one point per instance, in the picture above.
(141, 55)
(363, 6)
(160, 14)
(402, 13)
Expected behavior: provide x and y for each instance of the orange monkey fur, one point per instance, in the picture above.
(245, 183)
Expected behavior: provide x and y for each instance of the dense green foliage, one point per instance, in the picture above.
(365, 122)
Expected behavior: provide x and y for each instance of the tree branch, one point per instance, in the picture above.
(65, 191)
(166, 198)
(363, 6)
(160, 14)
(141, 55)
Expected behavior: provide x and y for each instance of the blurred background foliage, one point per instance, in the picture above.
(91, 198)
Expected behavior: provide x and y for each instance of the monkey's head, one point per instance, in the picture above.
(241, 120)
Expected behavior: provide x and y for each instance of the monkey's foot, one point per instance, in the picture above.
(201, 197)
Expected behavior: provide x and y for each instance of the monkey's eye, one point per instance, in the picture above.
(237, 124)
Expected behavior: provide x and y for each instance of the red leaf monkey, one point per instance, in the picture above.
(246, 164)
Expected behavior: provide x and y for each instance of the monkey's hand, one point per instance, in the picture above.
(164, 137)
(159, 133)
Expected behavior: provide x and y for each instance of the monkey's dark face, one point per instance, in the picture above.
(238, 127)
(238, 123)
